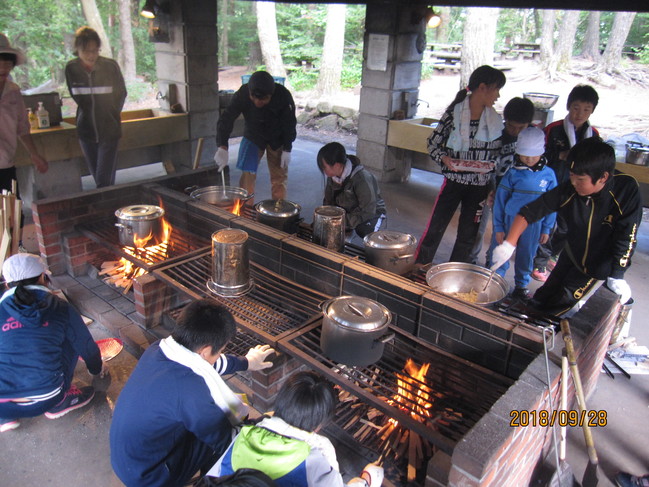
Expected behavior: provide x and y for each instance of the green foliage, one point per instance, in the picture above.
(138, 90)
(300, 29)
(352, 69)
(303, 80)
(242, 31)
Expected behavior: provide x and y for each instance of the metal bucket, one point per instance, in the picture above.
(329, 227)
(230, 264)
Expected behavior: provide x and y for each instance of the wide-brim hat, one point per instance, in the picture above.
(5, 48)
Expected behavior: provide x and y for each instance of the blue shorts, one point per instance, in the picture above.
(248, 159)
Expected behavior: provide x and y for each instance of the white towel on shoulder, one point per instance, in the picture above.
(230, 404)
(569, 128)
(489, 128)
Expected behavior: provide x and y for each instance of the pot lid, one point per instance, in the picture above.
(358, 313)
(387, 239)
(278, 208)
(140, 212)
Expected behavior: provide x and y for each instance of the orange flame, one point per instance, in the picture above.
(236, 209)
(413, 394)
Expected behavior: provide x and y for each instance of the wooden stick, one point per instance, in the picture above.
(564, 405)
(199, 152)
(17, 209)
(412, 452)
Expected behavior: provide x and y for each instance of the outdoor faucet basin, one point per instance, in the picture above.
(411, 134)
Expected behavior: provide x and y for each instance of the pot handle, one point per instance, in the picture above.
(388, 337)
(250, 196)
(323, 304)
(401, 257)
(125, 227)
(190, 189)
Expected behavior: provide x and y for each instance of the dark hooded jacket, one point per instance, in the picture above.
(40, 344)
(359, 195)
(603, 227)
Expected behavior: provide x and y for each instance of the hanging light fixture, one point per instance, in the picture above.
(148, 11)
(433, 19)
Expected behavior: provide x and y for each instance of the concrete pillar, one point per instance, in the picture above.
(189, 61)
(394, 88)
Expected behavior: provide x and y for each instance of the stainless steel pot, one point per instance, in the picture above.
(637, 154)
(224, 197)
(329, 227)
(392, 251)
(280, 214)
(353, 330)
(230, 264)
(140, 225)
(466, 282)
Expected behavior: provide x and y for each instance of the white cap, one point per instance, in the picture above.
(5, 48)
(23, 266)
(531, 142)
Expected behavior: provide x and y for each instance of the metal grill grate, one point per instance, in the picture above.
(180, 244)
(272, 308)
(462, 392)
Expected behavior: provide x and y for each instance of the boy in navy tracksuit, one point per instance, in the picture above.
(175, 414)
(523, 183)
(603, 210)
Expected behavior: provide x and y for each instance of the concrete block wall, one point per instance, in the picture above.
(383, 92)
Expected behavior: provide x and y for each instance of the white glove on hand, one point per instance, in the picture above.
(502, 254)
(221, 158)
(376, 474)
(286, 159)
(256, 357)
(620, 287)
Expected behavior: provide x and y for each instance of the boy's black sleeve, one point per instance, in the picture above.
(628, 200)
(547, 203)
(226, 121)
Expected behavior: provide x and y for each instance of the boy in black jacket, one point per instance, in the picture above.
(603, 210)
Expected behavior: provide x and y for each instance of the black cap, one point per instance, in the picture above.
(261, 84)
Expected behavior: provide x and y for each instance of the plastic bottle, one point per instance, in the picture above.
(33, 119)
(43, 116)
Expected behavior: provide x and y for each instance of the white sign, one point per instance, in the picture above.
(377, 52)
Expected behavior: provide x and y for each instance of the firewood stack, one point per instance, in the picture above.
(10, 214)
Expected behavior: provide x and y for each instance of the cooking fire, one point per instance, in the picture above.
(121, 273)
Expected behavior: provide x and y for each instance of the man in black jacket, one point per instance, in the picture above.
(603, 209)
(269, 113)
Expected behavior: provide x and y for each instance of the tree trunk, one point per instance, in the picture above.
(548, 57)
(91, 13)
(223, 41)
(478, 40)
(126, 35)
(267, 31)
(566, 40)
(441, 32)
(619, 32)
(331, 64)
(590, 49)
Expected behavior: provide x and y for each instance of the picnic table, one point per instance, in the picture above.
(526, 49)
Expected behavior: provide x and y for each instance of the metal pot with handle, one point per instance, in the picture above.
(392, 251)
(280, 214)
(140, 225)
(354, 330)
(637, 153)
(224, 197)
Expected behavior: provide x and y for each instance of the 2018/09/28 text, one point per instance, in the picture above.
(593, 418)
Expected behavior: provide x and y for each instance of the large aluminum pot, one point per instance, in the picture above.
(230, 263)
(224, 197)
(329, 227)
(354, 330)
(280, 214)
(140, 225)
(637, 154)
(466, 282)
(392, 251)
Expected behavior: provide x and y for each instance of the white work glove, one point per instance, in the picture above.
(376, 474)
(221, 158)
(256, 357)
(619, 287)
(502, 254)
(286, 159)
